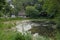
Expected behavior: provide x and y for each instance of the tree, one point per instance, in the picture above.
(38, 7)
(2, 4)
(5, 8)
(52, 7)
(32, 12)
(17, 4)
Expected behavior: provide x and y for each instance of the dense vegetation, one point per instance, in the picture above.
(35, 8)
(41, 9)
(49, 8)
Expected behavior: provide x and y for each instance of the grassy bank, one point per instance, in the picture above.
(6, 26)
(6, 34)
(10, 19)
(11, 35)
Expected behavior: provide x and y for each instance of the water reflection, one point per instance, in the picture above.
(24, 26)
(46, 28)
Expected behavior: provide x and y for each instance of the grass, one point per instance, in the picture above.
(58, 30)
(6, 34)
(6, 26)
(13, 35)
(58, 35)
(10, 19)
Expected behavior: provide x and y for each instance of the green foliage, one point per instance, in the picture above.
(38, 7)
(6, 26)
(10, 19)
(31, 11)
(49, 6)
(17, 4)
(40, 0)
(26, 36)
(14, 35)
(5, 8)
(2, 3)
(4, 35)
(52, 7)
(1, 14)
(57, 35)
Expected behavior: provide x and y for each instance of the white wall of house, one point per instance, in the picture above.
(22, 16)
(13, 16)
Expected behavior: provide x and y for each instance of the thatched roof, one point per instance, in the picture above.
(22, 13)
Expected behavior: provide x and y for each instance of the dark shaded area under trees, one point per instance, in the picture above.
(33, 8)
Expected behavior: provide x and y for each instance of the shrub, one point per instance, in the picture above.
(32, 12)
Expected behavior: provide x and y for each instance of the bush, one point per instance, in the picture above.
(11, 35)
(32, 12)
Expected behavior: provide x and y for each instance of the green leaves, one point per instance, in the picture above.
(2, 3)
(31, 11)
(49, 6)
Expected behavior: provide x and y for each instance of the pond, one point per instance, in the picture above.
(45, 28)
